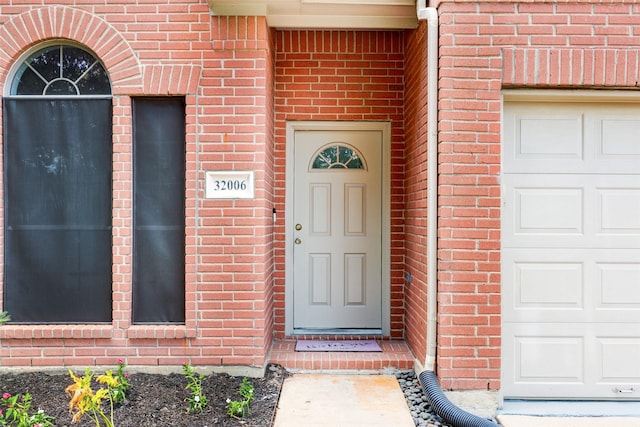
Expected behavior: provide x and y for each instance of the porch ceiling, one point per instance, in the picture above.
(372, 14)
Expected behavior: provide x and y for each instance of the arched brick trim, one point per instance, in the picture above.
(571, 67)
(29, 28)
(171, 79)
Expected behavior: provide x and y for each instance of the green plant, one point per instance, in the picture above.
(4, 317)
(119, 391)
(197, 400)
(241, 408)
(85, 401)
(14, 411)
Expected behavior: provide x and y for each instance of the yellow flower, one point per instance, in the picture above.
(101, 394)
(108, 379)
(85, 400)
(78, 391)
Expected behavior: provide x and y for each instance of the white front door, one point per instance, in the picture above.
(337, 229)
(571, 250)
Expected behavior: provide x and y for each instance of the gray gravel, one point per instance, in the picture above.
(421, 411)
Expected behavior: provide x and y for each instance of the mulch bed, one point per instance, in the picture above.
(156, 400)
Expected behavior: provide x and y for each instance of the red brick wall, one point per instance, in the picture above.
(242, 82)
(415, 216)
(484, 47)
(223, 68)
(342, 75)
(241, 126)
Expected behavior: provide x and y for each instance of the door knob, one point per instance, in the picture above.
(298, 241)
(298, 227)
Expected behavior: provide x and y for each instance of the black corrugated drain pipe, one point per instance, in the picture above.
(444, 408)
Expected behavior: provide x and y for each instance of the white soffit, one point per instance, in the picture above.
(371, 14)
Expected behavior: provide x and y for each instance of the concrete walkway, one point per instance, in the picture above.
(351, 400)
(322, 400)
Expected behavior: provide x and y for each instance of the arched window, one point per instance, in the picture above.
(61, 70)
(58, 154)
(338, 156)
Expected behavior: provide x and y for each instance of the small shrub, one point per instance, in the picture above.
(85, 401)
(14, 411)
(119, 391)
(197, 400)
(241, 408)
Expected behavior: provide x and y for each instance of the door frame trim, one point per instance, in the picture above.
(385, 129)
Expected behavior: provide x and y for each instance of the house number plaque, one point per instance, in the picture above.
(229, 185)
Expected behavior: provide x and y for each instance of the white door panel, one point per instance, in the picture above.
(571, 138)
(571, 211)
(581, 285)
(572, 360)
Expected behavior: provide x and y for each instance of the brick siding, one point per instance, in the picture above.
(416, 191)
(242, 81)
(223, 68)
(485, 47)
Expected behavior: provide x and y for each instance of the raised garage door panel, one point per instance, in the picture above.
(571, 360)
(571, 250)
(583, 285)
(571, 138)
(572, 210)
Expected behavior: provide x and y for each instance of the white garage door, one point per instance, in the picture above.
(571, 250)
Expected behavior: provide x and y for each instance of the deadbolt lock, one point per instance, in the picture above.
(298, 227)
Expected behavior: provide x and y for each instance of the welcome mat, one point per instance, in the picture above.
(324, 345)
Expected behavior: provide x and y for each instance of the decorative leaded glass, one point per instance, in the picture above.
(338, 156)
(61, 70)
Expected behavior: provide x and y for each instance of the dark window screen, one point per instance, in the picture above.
(159, 194)
(57, 170)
